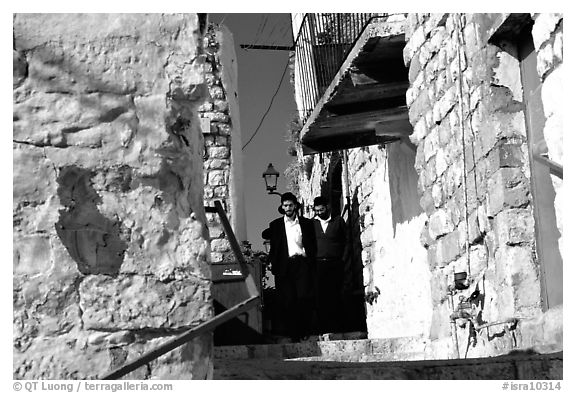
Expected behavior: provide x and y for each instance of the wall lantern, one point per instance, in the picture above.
(461, 280)
(271, 179)
(267, 246)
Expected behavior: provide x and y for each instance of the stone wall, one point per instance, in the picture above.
(110, 240)
(466, 105)
(386, 221)
(220, 116)
(458, 197)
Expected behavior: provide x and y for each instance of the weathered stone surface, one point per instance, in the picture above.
(141, 302)
(544, 333)
(105, 123)
(507, 188)
(544, 25)
(61, 357)
(440, 223)
(514, 226)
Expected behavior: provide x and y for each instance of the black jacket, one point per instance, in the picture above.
(278, 254)
(333, 243)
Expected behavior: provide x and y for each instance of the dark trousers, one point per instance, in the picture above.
(295, 290)
(330, 277)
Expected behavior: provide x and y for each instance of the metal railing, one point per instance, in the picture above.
(208, 326)
(323, 42)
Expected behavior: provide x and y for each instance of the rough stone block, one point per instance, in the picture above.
(412, 46)
(507, 188)
(478, 259)
(440, 223)
(62, 357)
(544, 333)
(544, 25)
(431, 144)
(441, 163)
(217, 93)
(511, 155)
(191, 361)
(414, 69)
(221, 192)
(440, 326)
(30, 163)
(366, 236)
(216, 257)
(427, 203)
(224, 128)
(142, 302)
(425, 54)
(518, 273)
(558, 47)
(448, 248)
(31, 255)
(217, 178)
(411, 95)
(420, 131)
(455, 210)
(514, 226)
(420, 106)
(218, 152)
(220, 245)
(447, 102)
(432, 256)
(438, 195)
(217, 117)
(545, 60)
(439, 286)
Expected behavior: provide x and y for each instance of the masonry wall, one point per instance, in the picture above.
(220, 117)
(110, 240)
(466, 105)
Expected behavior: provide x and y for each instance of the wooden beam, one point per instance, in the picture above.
(266, 47)
(394, 128)
(369, 93)
(364, 121)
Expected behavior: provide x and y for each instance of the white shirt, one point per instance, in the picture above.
(294, 237)
(324, 223)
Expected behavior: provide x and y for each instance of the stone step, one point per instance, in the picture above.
(507, 367)
(401, 348)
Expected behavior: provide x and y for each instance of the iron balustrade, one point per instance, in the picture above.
(323, 43)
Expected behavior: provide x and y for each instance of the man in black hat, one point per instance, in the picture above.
(332, 244)
(292, 254)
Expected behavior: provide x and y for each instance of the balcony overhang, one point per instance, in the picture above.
(365, 103)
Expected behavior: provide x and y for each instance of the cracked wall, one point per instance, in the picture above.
(110, 236)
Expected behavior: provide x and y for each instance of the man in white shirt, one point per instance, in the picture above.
(293, 253)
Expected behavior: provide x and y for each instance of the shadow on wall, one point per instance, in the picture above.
(92, 240)
(403, 178)
(353, 303)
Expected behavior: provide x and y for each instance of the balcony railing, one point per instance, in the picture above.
(322, 44)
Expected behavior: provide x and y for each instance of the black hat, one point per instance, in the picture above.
(320, 201)
(288, 196)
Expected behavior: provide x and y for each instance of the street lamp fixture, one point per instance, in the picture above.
(271, 179)
(267, 246)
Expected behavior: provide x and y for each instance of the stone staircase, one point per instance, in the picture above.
(365, 359)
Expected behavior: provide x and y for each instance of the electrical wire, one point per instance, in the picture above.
(223, 19)
(269, 105)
